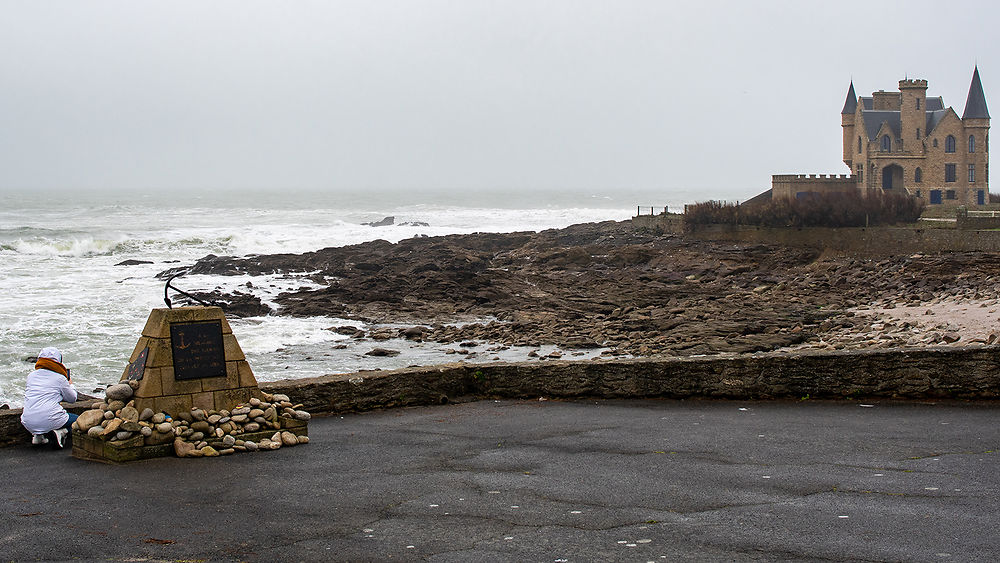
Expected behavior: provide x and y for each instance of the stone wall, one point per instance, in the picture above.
(976, 221)
(867, 242)
(788, 186)
(932, 373)
(660, 223)
(953, 373)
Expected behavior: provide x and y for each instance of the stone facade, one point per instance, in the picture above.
(907, 142)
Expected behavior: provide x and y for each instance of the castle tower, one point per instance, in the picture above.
(976, 120)
(913, 114)
(847, 123)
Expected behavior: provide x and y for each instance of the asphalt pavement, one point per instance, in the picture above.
(541, 481)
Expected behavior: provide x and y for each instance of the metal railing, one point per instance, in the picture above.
(652, 210)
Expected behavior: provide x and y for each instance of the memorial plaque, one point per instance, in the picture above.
(136, 369)
(198, 350)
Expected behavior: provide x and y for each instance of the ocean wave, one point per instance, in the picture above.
(75, 247)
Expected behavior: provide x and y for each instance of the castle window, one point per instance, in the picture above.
(972, 143)
(918, 175)
(950, 194)
(972, 173)
(949, 144)
(918, 132)
(859, 145)
(918, 193)
(887, 143)
(935, 143)
(949, 172)
(918, 106)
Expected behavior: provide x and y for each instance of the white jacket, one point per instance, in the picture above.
(42, 412)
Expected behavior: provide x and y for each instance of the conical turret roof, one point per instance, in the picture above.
(851, 104)
(975, 104)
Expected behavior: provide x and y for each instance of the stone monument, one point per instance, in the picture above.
(188, 357)
(189, 392)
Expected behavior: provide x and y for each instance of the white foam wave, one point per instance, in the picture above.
(72, 247)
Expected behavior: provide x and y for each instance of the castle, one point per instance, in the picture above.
(907, 142)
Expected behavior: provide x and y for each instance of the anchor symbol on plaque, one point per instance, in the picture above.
(181, 345)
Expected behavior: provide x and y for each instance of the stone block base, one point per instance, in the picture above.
(93, 449)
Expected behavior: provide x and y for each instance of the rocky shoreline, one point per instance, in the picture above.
(610, 286)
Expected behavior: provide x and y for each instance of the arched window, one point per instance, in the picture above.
(859, 145)
(886, 143)
(935, 143)
(918, 176)
(972, 143)
(949, 144)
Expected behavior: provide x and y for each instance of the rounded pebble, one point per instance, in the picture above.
(119, 392)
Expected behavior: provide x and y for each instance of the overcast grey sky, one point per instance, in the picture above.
(460, 94)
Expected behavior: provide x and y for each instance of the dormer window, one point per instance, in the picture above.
(949, 144)
(886, 143)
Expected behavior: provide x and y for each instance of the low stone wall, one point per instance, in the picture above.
(870, 242)
(931, 373)
(966, 221)
(660, 223)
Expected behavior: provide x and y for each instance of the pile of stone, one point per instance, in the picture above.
(197, 433)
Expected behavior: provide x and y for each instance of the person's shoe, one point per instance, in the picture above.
(39, 440)
(61, 434)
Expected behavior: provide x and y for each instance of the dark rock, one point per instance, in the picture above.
(382, 223)
(604, 284)
(346, 330)
(414, 333)
(382, 352)
(133, 262)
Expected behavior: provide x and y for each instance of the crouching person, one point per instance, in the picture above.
(49, 384)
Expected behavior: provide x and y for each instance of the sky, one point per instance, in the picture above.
(656, 96)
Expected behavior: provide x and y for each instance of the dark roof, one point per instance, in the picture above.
(851, 104)
(975, 104)
(875, 119)
(934, 104)
(868, 103)
(933, 118)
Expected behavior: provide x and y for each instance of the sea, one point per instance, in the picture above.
(61, 282)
